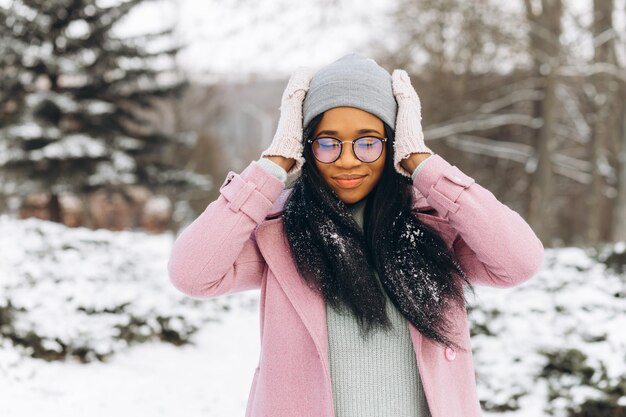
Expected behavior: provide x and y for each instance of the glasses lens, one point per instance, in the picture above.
(326, 149)
(368, 149)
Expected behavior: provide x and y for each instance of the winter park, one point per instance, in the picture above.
(183, 231)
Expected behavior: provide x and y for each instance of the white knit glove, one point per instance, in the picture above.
(409, 137)
(287, 140)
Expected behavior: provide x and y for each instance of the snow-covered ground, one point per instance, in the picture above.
(210, 378)
(542, 348)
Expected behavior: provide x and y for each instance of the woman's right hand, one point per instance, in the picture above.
(287, 141)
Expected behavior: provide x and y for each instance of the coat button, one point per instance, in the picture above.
(450, 353)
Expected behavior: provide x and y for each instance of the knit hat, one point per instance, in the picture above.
(353, 81)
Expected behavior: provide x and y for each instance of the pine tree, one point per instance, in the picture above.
(75, 100)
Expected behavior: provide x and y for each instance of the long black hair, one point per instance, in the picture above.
(417, 270)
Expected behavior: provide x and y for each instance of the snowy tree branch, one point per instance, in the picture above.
(484, 123)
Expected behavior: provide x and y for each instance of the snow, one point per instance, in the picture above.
(158, 205)
(73, 288)
(117, 171)
(99, 107)
(570, 304)
(78, 29)
(153, 379)
(64, 102)
(77, 145)
(32, 130)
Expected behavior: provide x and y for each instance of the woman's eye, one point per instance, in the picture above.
(367, 142)
(327, 144)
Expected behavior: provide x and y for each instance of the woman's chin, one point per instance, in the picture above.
(351, 196)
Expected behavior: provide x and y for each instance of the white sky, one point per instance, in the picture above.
(232, 38)
(243, 37)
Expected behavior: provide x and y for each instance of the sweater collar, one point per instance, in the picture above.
(357, 210)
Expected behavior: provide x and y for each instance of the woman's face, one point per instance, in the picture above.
(348, 124)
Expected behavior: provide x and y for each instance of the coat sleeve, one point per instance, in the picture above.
(494, 245)
(217, 253)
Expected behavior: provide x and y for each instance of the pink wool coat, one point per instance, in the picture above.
(237, 244)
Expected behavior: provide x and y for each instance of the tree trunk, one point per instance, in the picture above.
(604, 139)
(54, 207)
(619, 214)
(540, 213)
(545, 47)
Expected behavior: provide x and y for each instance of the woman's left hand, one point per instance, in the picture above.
(409, 137)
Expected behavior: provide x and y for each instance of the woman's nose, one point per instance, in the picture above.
(347, 158)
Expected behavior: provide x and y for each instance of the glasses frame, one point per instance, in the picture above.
(310, 141)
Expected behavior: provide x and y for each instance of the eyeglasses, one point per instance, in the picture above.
(366, 149)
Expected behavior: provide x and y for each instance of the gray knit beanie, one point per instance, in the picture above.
(353, 81)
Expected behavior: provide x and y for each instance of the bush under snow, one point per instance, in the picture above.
(86, 294)
(557, 340)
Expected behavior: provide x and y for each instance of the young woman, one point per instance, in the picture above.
(362, 264)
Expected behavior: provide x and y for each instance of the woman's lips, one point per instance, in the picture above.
(349, 183)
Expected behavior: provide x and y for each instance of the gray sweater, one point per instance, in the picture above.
(377, 376)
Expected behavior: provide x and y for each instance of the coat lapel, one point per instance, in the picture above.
(309, 305)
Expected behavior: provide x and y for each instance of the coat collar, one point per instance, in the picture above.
(309, 305)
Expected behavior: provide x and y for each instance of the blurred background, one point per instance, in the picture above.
(119, 120)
